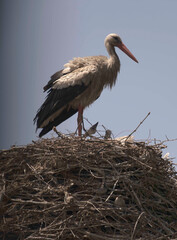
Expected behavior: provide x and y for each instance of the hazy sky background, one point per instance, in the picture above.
(38, 37)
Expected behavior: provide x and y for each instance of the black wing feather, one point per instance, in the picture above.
(56, 99)
(53, 78)
(65, 114)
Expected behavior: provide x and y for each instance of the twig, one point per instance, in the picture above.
(144, 164)
(38, 176)
(32, 202)
(95, 236)
(112, 190)
(58, 133)
(137, 199)
(136, 225)
(138, 126)
(165, 141)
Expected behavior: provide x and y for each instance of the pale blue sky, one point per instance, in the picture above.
(38, 37)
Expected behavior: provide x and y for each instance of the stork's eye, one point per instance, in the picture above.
(116, 38)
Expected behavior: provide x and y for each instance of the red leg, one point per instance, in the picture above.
(80, 120)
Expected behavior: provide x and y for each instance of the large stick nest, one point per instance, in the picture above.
(75, 188)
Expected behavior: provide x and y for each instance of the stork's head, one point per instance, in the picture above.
(113, 40)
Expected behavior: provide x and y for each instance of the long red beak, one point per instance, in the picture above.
(125, 50)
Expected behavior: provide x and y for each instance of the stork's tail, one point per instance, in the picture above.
(65, 114)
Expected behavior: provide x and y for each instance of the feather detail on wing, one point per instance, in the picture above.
(65, 114)
(56, 100)
(55, 77)
(63, 87)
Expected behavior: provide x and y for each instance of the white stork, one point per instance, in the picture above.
(78, 85)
